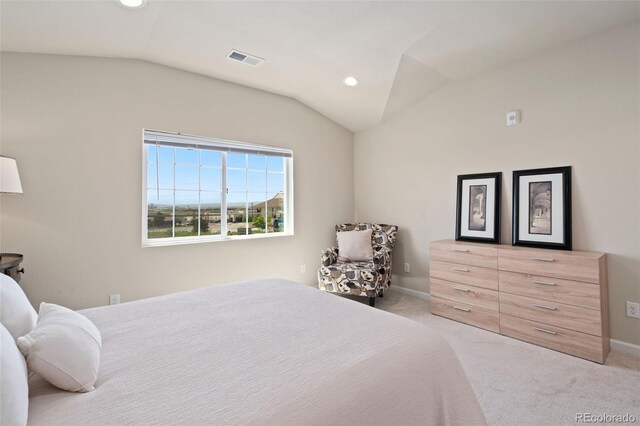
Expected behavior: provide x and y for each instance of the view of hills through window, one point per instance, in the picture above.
(185, 193)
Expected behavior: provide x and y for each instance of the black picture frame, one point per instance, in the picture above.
(544, 227)
(486, 227)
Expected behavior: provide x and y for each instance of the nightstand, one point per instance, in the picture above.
(10, 265)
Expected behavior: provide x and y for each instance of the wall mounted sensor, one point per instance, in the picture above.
(513, 118)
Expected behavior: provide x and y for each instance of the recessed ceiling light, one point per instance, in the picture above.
(350, 81)
(133, 4)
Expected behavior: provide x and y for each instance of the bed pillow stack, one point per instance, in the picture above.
(60, 345)
(17, 318)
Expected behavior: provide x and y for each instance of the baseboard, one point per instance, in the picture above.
(627, 348)
(413, 293)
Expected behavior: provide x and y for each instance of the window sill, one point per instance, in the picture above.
(162, 242)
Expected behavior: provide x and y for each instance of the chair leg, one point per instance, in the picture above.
(372, 301)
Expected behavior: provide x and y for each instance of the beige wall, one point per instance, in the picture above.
(74, 125)
(580, 107)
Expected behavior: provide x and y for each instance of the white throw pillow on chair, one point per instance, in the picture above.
(354, 246)
(16, 313)
(64, 348)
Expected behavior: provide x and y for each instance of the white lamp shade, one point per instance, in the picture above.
(9, 177)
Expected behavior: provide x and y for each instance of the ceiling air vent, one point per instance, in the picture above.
(244, 58)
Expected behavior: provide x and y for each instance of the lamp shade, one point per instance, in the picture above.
(9, 177)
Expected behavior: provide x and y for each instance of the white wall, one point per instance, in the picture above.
(74, 125)
(580, 107)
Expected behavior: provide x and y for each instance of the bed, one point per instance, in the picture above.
(262, 352)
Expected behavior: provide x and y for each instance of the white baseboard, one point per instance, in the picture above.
(413, 293)
(627, 348)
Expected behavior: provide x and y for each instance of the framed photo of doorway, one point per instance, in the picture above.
(542, 208)
(478, 207)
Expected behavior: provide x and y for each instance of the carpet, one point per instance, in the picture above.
(518, 383)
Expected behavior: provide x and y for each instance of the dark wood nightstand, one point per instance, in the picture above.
(10, 265)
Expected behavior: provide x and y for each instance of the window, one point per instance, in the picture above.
(199, 189)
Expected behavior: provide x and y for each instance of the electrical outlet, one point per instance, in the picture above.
(114, 299)
(407, 268)
(633, 310)
(303, 268)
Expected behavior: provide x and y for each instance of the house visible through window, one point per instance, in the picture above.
(200, 189)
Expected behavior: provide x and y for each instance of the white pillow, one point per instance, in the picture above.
(16, 313)
(64, 348)
(354, 246)
(14, 385)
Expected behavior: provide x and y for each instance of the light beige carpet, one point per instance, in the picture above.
(522, 384)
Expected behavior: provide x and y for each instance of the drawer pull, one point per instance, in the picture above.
(462, 309)
(462, 289)
(544, 259)
(460, 250)
(551, 308)
(544, 330)
(460, 270)
(542, 282)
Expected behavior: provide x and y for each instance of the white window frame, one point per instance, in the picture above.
(224, 146)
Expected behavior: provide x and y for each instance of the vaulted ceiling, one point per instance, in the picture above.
(399, 51)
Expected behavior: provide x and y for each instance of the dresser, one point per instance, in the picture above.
(556, 299)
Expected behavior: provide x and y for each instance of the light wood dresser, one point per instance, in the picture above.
(557, 299)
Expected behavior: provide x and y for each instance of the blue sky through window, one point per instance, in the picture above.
(250, 178)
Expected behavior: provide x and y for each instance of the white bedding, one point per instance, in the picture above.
(262, 352)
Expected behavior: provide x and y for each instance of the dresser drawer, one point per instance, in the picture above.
(476, 296)
(466, 254)
(465, 274)
(575, 293)
(566, 316)
(557, 338)
(468, 314)
(577, 266)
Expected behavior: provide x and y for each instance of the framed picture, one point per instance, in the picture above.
(542, 208)
(478, 207)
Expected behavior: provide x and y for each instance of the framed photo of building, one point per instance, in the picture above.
(478, 207)
(542, 208)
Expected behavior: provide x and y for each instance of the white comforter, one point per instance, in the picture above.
(263, 352)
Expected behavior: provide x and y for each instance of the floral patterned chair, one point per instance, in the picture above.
(369, 278)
